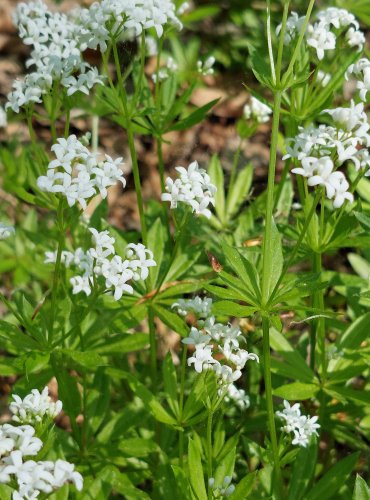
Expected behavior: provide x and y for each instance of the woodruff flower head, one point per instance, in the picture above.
(322, 150)
(211, 338)
(257, 110)
(102, 263)
(193, 187)
(34, 407)
(3, 118)
(200, 307)
(322, 36)
(6, 231)
(302, 427)
(56, 55)
(109, 17)
(361, 71)
(77, 173)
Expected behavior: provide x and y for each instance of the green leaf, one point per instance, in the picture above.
(170, 383)
(121, 343)
(361, 491)
(356, 333)
(226, 467)
(303, 471)
(330, 483)
(148, 399)
(245, 487)
(297, 364)
(171, 319)
(194, 118)
(237, 195)
(244, 270)
(296, 391)
(196, 471)
(157, 236)
(275, 260)
(217, 177)
(228, 308)
(85, 359)
(224, 293)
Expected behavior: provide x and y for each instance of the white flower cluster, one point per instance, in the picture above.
(6, 231)
(225, 489)
(303, 427)
(206, 68)
(213, 338)
(201, 308)
(361, 70)
(238, 396)
(323, 34)
(77, 174)
(116, 272)
(257, 110)
(193, 187)
(56, 55)
(17, 443)
(165, 72)
(3, 118)
(34, 407)
(321, 150)
(110, 17)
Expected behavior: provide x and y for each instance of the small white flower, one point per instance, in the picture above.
(258, 110)
(320, 38)
(193, 187)
(81, 284)
(206, 68)
(196, 337)
(301, 426)
(34, 407)
(202, 358)
(323, 78)
(355, 38)
(6, 231)
(3, 118)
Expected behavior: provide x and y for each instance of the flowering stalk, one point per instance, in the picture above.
(131, 142)
(209, 452)
(58, 262)
(181, 403)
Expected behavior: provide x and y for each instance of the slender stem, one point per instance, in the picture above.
(181, 403)
(153, 348)
(67, 124)
(161, 162)
(54, 291)
(209, 451)
(281, 40)
(270, 200)
(269, 42)
(297, 246)
(270, 404)
(299, 42)
(30, 128)
(131, 142)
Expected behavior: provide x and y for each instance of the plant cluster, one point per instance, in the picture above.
(218, 349)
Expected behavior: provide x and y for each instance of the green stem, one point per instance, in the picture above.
(131, 142)
(297, 246)
(209, 451)
(270, 200)
(67, 124)
(161, 163)
(281, 40)
(270, 405)
(181, 403)
(54, 291)
(299, 42)
(153, 348)
(266, 265)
